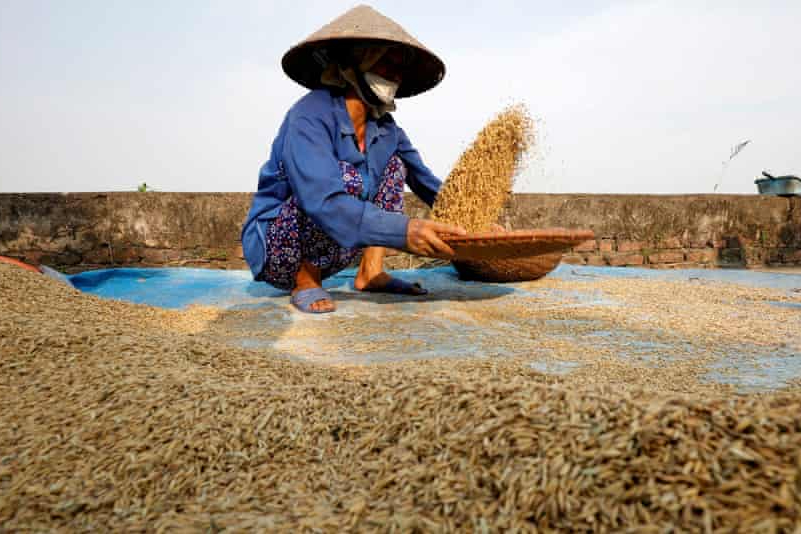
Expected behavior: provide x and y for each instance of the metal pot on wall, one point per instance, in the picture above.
(783, 186)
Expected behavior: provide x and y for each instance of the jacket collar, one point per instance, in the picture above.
(346, 124)
(342, 116)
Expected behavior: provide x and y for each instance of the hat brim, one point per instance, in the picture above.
(424, 72)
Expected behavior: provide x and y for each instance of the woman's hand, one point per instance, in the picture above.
(422, 238)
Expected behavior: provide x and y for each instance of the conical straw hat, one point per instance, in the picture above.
(305, 61)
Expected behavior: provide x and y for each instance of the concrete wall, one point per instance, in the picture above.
(90, 230)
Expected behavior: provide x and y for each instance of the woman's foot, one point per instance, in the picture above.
(372, 277)
(309, 277)
(384, 283)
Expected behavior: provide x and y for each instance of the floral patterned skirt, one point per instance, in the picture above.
(293, 237)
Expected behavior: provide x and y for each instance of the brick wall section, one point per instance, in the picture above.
(90, 230)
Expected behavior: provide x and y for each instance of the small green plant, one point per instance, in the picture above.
(217, 255)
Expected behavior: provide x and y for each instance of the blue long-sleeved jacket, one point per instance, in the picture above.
(317, 133)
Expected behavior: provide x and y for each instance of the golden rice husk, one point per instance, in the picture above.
(480, 183)
(123, 417)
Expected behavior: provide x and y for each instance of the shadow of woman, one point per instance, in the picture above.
(442, 283)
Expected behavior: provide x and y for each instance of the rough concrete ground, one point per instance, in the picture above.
(674, 331)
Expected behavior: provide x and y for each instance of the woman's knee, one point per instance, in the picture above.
(351, 179)
(390, 190)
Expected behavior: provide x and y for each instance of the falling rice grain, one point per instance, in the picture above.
(480, 184)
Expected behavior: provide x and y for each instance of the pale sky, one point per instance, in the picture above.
(186, 95)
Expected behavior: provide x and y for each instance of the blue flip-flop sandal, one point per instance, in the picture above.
(397, 286)
(303, 299)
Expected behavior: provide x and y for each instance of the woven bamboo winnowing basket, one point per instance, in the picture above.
(515, 256)
(508, 270)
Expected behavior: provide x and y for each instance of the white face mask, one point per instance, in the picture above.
(384, 89)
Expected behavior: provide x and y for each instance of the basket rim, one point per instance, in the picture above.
(541, 234)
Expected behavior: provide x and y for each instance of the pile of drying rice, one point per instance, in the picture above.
(481, 182)
(123, 417)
